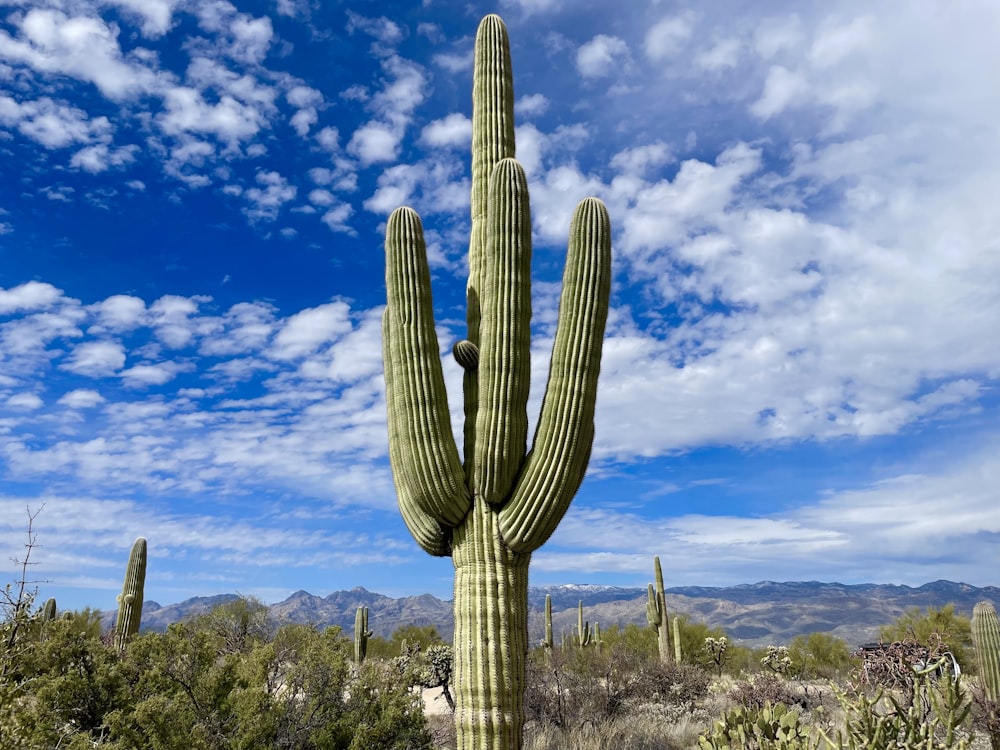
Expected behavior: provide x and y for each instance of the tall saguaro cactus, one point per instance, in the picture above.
(130, 599)
(491, 509)
(986, 639)
(656, 612)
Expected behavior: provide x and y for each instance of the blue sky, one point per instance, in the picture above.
(801, 364)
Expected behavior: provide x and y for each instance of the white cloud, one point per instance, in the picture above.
(81, 398)
(147, 374)
(96, 358)
(783, 89)
(455, 130)
(724, 54)
(81, 47)
(52, 124)
(25, 402)
(32, 295)
(266, 202)
(336, 218)
(601, 56)
(99, 158)
(306, 331)
(374, 143)
(531, 105)
(668, 37)
(119, 313)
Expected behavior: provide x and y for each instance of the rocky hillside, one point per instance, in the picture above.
(755, 614)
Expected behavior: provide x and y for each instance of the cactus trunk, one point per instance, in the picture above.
(548, 623)
(130, 600)
(491, 635)
(656, 612)
(986, 638)
(492, 507)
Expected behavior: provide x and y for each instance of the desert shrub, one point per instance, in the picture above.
(820, 656)
(937, 628)
(583, 686)
(765, 689)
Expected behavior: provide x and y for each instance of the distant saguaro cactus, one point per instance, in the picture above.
(361, 635)
(130, 599)
(490, 511)
(656, 612)
(49, 611)
(583, 632)
(548, 623)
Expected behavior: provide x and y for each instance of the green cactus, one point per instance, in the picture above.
(986, 638)
(656, 612)
(130, 599)
(677, 640)
(492, 510)
(361, 635)
(49, 611)
(548, 624)
(584, 634)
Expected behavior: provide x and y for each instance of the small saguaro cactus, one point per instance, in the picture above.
(677, 639)
(583, 632)
(491, 508)
(130, 599)
(548, 623)
(361, 635)
(656, 612)
(49, 611)
(986, 639)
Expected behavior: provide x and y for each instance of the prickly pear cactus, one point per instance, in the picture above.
(491, 509)
(130, 599)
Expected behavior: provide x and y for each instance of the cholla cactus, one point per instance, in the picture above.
(130, 599)
(777, 659)
(491, 509)
(716, 649)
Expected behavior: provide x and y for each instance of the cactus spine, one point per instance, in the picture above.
(986, 638)
(492, 509)
(656, 612)
(548, 623)
(361, 635)
(130, 599)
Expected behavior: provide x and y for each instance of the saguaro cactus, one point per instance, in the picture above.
(584, 634)
(49, 611)
(656, 612)
(986, 638)
(490, 510)
(548, 624)
(130, 599)
(361, 635)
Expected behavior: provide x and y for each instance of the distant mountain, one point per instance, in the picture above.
(755, 614)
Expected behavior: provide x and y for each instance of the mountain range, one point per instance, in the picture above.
(764, 613)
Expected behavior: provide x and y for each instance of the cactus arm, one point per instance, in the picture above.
(431, 535)
(425, 462)
(130, 600)
(583, 632)
(986, 638)
(505, 351)
(555, 467)
(652, 607)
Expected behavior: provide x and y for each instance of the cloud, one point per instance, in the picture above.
(81, 398)
(81, 47)
(667, 37)
(96, 358)
(782, 90)
(306, 331)
(374, 143)
(52, 124)
(99, 158)
(266, 201)
(453, 131)
(32, 295)
(601, 56)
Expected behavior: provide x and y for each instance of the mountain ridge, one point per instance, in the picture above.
(755, 614)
